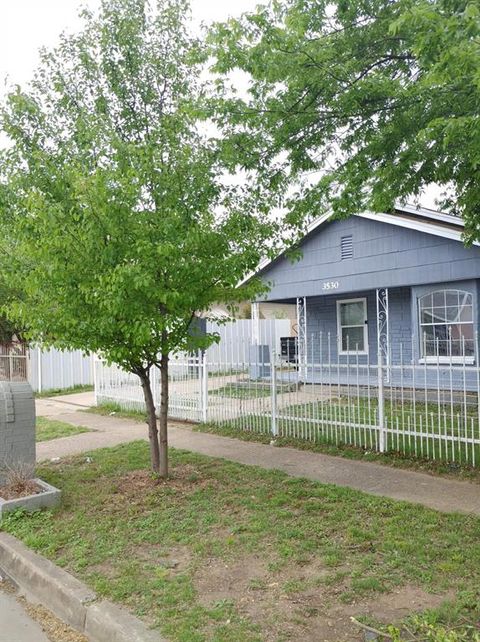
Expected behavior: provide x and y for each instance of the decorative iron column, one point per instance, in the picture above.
(302, 337)
(255, 308)
(383, 335)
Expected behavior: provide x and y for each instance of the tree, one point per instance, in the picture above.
(115, 224)
(9, 330)
(361, 102)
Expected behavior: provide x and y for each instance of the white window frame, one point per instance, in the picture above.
(365, 327)
(443, 359)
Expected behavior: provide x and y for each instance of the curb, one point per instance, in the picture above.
(69, 599)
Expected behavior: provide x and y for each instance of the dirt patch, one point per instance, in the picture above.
(297, 603)
(394, 606)
(184, 478)
(175, 559)
(19, 490)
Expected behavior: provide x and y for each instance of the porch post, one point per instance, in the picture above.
(302, 337)
(383, 335)
(255, 323)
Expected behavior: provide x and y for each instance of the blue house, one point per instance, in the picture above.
(401, 287)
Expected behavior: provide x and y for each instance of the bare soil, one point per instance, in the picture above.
(183, 479)
(314, 612)
(54, 629)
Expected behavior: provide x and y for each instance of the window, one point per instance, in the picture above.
(346, 247)
(446, 326)
(352, 326)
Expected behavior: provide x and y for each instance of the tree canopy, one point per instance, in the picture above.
(360, 102)
(116, 224)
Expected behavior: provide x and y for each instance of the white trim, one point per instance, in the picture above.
(365, 327)
(433, 214)
(426, 228)
(447, 360)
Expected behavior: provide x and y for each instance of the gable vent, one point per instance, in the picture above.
(346, 247)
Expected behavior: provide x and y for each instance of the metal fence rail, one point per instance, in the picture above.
(429, 410)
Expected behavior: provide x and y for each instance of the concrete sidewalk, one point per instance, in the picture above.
(435, 492)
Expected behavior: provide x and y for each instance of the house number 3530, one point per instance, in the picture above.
(330, 285)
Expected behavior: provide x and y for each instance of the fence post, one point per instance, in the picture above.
(381, 405)
(273, 378)
(95, 361)
(204, 389)
(39, 371)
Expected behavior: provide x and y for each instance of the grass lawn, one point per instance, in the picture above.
(110, 408)
(56, 392)
(47, 429)
(248, 390)
(229, 553)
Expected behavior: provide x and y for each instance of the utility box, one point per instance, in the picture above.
(17, 426)
(288, 349)
(260, 366)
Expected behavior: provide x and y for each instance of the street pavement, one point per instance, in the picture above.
(15, 624)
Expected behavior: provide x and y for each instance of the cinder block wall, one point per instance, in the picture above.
(17, 425)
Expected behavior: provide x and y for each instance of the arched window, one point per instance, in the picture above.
(446, 325)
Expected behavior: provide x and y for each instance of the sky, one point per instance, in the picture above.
(27, 25)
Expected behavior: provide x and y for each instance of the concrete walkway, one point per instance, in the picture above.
(15, 624)
(435, 492)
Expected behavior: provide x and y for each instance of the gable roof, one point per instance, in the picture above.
(405, 215)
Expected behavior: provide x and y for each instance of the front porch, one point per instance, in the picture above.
(351, 328)
(421, 336)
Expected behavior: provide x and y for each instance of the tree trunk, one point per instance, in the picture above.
(164, 416)
(151, 421)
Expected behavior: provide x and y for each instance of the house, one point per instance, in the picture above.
(399, 287)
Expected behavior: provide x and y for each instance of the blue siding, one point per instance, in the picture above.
(384, 255)
(403, 322)
(322, 327)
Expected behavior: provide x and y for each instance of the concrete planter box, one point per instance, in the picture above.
(47, 499)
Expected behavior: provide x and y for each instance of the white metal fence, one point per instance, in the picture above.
(428, 410)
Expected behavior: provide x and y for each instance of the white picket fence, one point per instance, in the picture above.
(428, 410)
